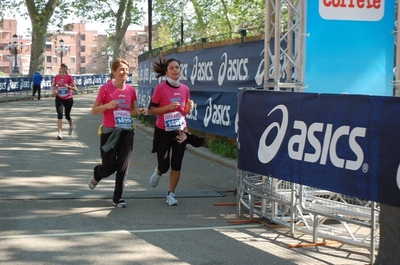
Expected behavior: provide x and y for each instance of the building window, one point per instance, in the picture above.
(48, 59)
(49, 71)
(83, 37)
(83, 48)
(54, 59)
(83, 70)
(83, 59)
(73, 60)
(48, 47)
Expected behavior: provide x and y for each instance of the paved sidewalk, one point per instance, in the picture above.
(48, 215)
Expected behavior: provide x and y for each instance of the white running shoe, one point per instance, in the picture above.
(155, 178)
(59, 137)
(121, 204)
(71, 129)
(91, 183)
(171, 199)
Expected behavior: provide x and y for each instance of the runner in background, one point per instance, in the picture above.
(62, 88)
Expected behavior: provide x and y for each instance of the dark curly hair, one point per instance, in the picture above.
(161, 66)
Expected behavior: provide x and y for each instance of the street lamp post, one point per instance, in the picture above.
(109, 55)
(15, 49)
(61, 50)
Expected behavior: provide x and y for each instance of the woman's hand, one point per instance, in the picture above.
(139, 111)
(189, 105)
(173, 106)
(142, 111)
(111, 105)
(73, 87)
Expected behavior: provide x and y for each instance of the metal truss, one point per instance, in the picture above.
(284, 32)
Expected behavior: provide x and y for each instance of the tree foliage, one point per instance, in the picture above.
(41, 13)
(201, 19)
(118, 14)
(207, 18)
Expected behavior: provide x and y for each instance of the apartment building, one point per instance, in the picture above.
(9, 61)
(84, 51)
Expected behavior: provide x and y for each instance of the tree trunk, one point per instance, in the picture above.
(389, 247)
(37, 51)
(123, 20)
(40, 16)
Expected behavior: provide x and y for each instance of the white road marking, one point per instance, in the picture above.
(129, 231)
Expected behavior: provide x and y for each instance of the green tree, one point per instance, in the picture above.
(40, 13)
(118, 14)
(207, 18)
(163, 36)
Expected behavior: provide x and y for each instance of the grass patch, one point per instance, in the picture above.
(223, 147)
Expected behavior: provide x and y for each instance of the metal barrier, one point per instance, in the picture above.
(320, 213)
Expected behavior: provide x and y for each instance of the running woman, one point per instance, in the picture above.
(63, 85)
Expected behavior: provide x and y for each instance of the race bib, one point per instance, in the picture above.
(123, 119)
(62, 92)
(174, 121)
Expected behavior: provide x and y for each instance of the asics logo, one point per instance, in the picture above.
(267, 152)
(323, 149)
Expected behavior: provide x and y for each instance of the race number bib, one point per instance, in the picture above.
(62, 92)
(123, 119)
(174, 121)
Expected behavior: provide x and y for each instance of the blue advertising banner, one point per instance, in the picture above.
(213, 112)
(214, 76)
(47, 82)
(16, 84)
(221, 69)
(350, 47)
(342, 143)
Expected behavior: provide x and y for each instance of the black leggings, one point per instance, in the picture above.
(67, 104)
(163, 143)
(115, 160)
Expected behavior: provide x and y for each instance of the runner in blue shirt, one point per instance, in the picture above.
(36, 82)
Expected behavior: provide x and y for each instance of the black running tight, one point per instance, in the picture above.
(66, 104)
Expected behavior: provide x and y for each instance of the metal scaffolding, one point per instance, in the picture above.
(286, 60)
